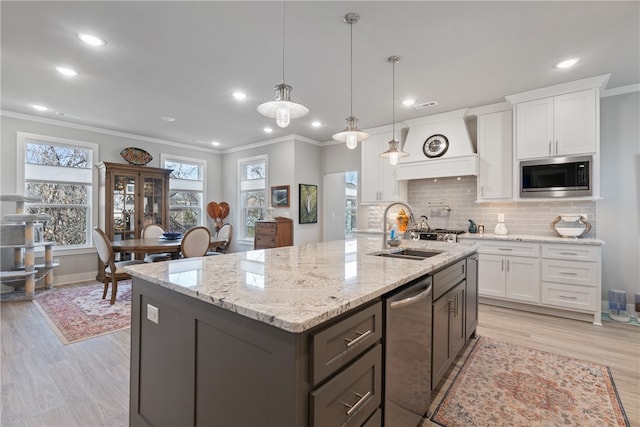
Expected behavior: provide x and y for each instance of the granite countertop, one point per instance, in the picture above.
(298, 287)
(532, 238)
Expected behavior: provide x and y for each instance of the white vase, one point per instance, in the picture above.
(500, 229)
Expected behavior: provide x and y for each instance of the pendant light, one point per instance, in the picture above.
(351, 134)
(394, 152)
(283, 109)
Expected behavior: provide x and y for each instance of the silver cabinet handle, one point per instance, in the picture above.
(482, 190)
(507, 266)
(505, 249)
(568, 273)
(568, 253)
(502, 266)
(362, 398)
(411, 300)
(361, 336)
(549, 147)
(556, 147)
(567, 297)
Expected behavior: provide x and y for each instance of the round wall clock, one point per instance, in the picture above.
(435, 146)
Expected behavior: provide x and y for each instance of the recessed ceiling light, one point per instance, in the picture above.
(408, 102)
(169, 119)
(65, 71)
(316, 124)
(215, 143)
(91, 39)
(239, 95)
(567, 63)
(39, 107)
(268, 130)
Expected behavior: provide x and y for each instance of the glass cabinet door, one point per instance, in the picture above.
(124, 207)
(153, 199)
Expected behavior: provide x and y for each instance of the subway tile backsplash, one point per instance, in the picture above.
(431, 197)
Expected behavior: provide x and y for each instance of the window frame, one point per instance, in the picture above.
(21, 171)
(241, 220)
(166, 157)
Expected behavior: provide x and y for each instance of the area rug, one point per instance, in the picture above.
(503, 384)
(80, 313)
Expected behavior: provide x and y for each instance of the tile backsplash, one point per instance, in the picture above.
(431, 197)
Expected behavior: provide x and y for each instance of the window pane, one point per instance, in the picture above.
(68, 226)
(254, 170)
(59, 194)
(45, 154)
(255, 199)
(182, 219)
(185, 198)
(182, 170)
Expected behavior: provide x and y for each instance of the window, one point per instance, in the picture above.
(186, 192)
(253, 194)
(59, 172)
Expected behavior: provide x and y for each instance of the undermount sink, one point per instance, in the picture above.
(415, 254)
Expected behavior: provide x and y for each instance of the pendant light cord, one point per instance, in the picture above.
(351, 68)
(283, 41)
(393, 99)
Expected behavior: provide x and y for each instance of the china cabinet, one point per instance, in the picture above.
(131, 197)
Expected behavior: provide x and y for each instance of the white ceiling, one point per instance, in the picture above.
(184, 59)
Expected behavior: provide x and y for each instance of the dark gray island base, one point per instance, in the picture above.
(194, 363)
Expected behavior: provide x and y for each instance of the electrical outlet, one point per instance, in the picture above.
(153, 313)
(500, 217)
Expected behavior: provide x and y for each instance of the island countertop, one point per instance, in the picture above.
(298, 287)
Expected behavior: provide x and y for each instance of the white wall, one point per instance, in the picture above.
(619, 210)
(307, 171)
(82, 264)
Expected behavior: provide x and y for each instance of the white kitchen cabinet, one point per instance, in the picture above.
(495, 156)
(378, 178)
(509, 270)
(557, 126)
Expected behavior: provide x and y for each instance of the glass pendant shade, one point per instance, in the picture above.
(282, 109)
(351, 134)
(394, 153)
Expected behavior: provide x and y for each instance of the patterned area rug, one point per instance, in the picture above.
(503, 384)
(79, 313)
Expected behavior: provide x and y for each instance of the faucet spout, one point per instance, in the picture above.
(384, 220)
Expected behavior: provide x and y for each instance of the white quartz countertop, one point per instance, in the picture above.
(298, 287)
(531, 238)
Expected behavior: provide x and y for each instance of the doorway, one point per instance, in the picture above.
(341, 205)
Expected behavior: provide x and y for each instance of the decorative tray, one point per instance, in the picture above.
(136, 156)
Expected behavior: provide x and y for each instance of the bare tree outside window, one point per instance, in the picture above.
(186, 194)
(253, 197)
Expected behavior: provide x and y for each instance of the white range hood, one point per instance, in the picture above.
(460, 158)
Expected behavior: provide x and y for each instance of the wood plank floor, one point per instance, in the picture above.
(44, 383)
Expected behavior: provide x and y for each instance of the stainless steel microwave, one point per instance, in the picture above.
(556, 177)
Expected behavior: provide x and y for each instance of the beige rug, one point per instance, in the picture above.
(80, 313)
(504, 384)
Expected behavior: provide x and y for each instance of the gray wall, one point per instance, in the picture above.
(619, 210)
(81, 264)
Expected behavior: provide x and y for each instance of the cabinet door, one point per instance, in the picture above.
(523, 279)
(471, 297)
(122, 199)
(494, 150)
(456, 323)
(370, 170)
(448, 331)
(534, 129)
(491, 276)
(575, 124)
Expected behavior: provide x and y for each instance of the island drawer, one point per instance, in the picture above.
(352, 396)
(448, 278)
(336, 345)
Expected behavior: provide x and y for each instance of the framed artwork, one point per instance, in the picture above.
(280, 196)
(130, 188)
(308, 209)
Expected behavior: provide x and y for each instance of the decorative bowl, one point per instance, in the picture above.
(170, 235)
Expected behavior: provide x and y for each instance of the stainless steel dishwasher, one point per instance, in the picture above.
(408, 354)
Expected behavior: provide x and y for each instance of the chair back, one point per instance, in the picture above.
(151, 231)
(225, 233)
(195, 242)
(103, 245)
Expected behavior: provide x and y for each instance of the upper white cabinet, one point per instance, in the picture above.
(557, 126)
(495, 156)
(378, 178)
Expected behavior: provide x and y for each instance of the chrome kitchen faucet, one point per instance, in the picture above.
(384, 220)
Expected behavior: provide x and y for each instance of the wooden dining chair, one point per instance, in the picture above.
(225, 233)
(154, 231)
(195, 242)
(113, 271)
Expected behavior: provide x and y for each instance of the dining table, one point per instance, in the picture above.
(155, 245)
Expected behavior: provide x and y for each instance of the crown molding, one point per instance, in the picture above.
(620, 90)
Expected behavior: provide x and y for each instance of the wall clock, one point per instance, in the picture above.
(435, 146)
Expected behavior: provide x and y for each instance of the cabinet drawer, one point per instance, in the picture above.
(569, 296)
(262, 242)
(510, 248)
(352, 396)
(448, 278)
(335, 346)
(266, 227)
(572, 272)
(571, 252)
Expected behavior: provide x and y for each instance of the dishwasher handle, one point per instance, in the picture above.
(411, 300)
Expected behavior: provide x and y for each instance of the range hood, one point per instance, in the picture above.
(460, 158)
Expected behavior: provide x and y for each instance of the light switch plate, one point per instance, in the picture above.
(153, 313)
(500, 217)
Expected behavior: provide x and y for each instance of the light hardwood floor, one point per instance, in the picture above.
(45, 383)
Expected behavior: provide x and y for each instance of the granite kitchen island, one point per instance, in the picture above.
(255, 338)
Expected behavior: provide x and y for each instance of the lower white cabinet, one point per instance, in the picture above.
(553, 278)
